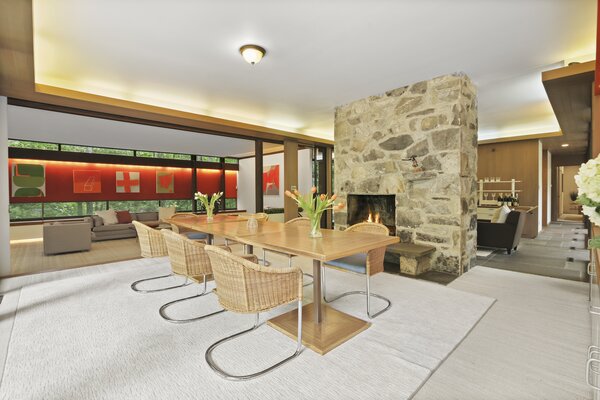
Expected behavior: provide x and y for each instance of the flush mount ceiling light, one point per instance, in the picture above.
(252, 53)
(565, 145)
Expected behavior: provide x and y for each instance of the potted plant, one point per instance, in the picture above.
(208, 203)
(314, 206)
(588, 182)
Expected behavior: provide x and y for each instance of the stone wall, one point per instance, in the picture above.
(436, 204)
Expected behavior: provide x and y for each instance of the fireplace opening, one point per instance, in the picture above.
(373, 208)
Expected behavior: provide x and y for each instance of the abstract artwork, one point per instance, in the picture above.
(128, 182)
(28, 180)
(271, 180)
(87, 182)
(165, 182)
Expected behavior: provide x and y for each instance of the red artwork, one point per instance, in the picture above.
(271, 180)
(128, 182)
(87, 182)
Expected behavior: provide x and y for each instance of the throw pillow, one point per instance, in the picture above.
(495, 215)
(504, 211)
(165, 213)
(109, 217)
(124, 217)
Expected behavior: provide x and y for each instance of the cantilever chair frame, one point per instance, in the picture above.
(374, 265)
(217, 255)
(152, 244)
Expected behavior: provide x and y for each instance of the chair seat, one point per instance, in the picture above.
(196, 235)
(355, 263)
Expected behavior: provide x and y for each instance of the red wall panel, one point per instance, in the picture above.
(231, 184)
(59, 182)
(208, 180)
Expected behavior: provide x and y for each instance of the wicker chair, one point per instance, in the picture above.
(366, 264)
(152, 245)
(299, 221)
(189, 233)
(244, 287)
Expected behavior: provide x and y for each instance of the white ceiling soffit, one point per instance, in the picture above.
(320, 54)
(49, 126)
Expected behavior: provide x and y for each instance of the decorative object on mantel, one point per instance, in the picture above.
(588, 182)
(208, 203)
(314, 207)
(415, 163)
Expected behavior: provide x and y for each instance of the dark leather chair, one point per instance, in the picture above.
(504, 236)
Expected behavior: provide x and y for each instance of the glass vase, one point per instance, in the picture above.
(209, 214)
(315, 226)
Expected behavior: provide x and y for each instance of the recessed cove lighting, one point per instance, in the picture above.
(252, 53)
(565, 145)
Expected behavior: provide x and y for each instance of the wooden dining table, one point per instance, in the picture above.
(323, 327)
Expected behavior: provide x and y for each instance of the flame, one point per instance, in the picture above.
(374, 218)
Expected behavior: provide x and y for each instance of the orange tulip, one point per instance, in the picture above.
(333, 197)
(322, 197)
(313, 189)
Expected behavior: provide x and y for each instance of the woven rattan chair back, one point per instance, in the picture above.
(151, 241)
(299, 221)
(246, 287)
(187, 256)
(177, 228)
(374, 257)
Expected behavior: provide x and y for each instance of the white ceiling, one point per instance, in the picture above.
(49, 126)
(321, 54)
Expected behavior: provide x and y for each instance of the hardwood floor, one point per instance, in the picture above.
(27, 257)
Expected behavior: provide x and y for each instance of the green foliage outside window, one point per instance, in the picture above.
(156, 154)
(25, 211)
(231, 204)
(210, 159)
(231, 160)
(72, 209)
(181, 205)
(134, 206)
(96, 150)
(26, 144)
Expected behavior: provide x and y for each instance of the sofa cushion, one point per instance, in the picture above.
(124, 217)
(504, 211)
(114, 227)
(109, 217)
(151, 224)
(97, 221)
(165, 213)
(147, 216)
(355, 263)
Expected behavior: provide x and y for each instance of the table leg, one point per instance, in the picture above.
(248, 249)
(211, 239)
(318, 311)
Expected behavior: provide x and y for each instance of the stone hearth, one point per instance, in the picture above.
(436, 122)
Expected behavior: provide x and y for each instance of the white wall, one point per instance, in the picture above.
(540, 188)
(4, 216)
(246, 183)
(549, 194)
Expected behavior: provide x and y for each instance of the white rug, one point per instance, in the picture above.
(92, 337)
(484, 253)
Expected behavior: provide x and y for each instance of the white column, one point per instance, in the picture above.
(4, 190)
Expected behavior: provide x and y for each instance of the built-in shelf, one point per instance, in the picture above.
(486, 182)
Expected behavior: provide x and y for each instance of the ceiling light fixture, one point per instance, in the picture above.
(252, 53)
(565, 145)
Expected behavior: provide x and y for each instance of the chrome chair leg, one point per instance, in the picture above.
(263, 260)
(163, 314)
(135, 289)
(366, 293)
(222, 373)
(303, 274)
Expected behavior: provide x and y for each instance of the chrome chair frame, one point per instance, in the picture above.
(366, 293)
(135, 289)
(163, 314)
(222, 373)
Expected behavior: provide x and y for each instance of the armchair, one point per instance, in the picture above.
(506, 235)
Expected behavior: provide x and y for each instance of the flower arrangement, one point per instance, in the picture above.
(314, 206)
(588, 182)
(208, 202)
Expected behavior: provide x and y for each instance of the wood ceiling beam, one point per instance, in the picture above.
(521, 137)
(17, 80)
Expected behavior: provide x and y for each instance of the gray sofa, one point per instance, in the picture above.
(122, 231)
(67, 236)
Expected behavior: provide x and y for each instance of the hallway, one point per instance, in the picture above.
(559, 251)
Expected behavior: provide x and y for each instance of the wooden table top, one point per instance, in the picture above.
(236, 229)
(195, 221)
(333, 244)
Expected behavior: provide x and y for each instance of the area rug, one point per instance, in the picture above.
(484, 253)
(92, 337)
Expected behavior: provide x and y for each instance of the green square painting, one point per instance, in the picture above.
(28, 180)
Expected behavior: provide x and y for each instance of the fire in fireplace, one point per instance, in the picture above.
(379, 208)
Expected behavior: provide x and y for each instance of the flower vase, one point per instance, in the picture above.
(315, 226)
(209, 214)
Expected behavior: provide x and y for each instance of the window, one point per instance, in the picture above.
(72, 209)
(25, 211)
(231, 204)
(27, 144)
(231, 160)
(134, 206)
(180, 205)
(96, 150)
(210, 159)
(170, 156)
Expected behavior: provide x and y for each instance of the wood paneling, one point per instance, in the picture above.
(290, 177)
(545, 188)
(521, 137)
(518, 160)
(595, 136)
(258, 176)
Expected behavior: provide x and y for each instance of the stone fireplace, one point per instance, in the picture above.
(372, 208)
(376, 141)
